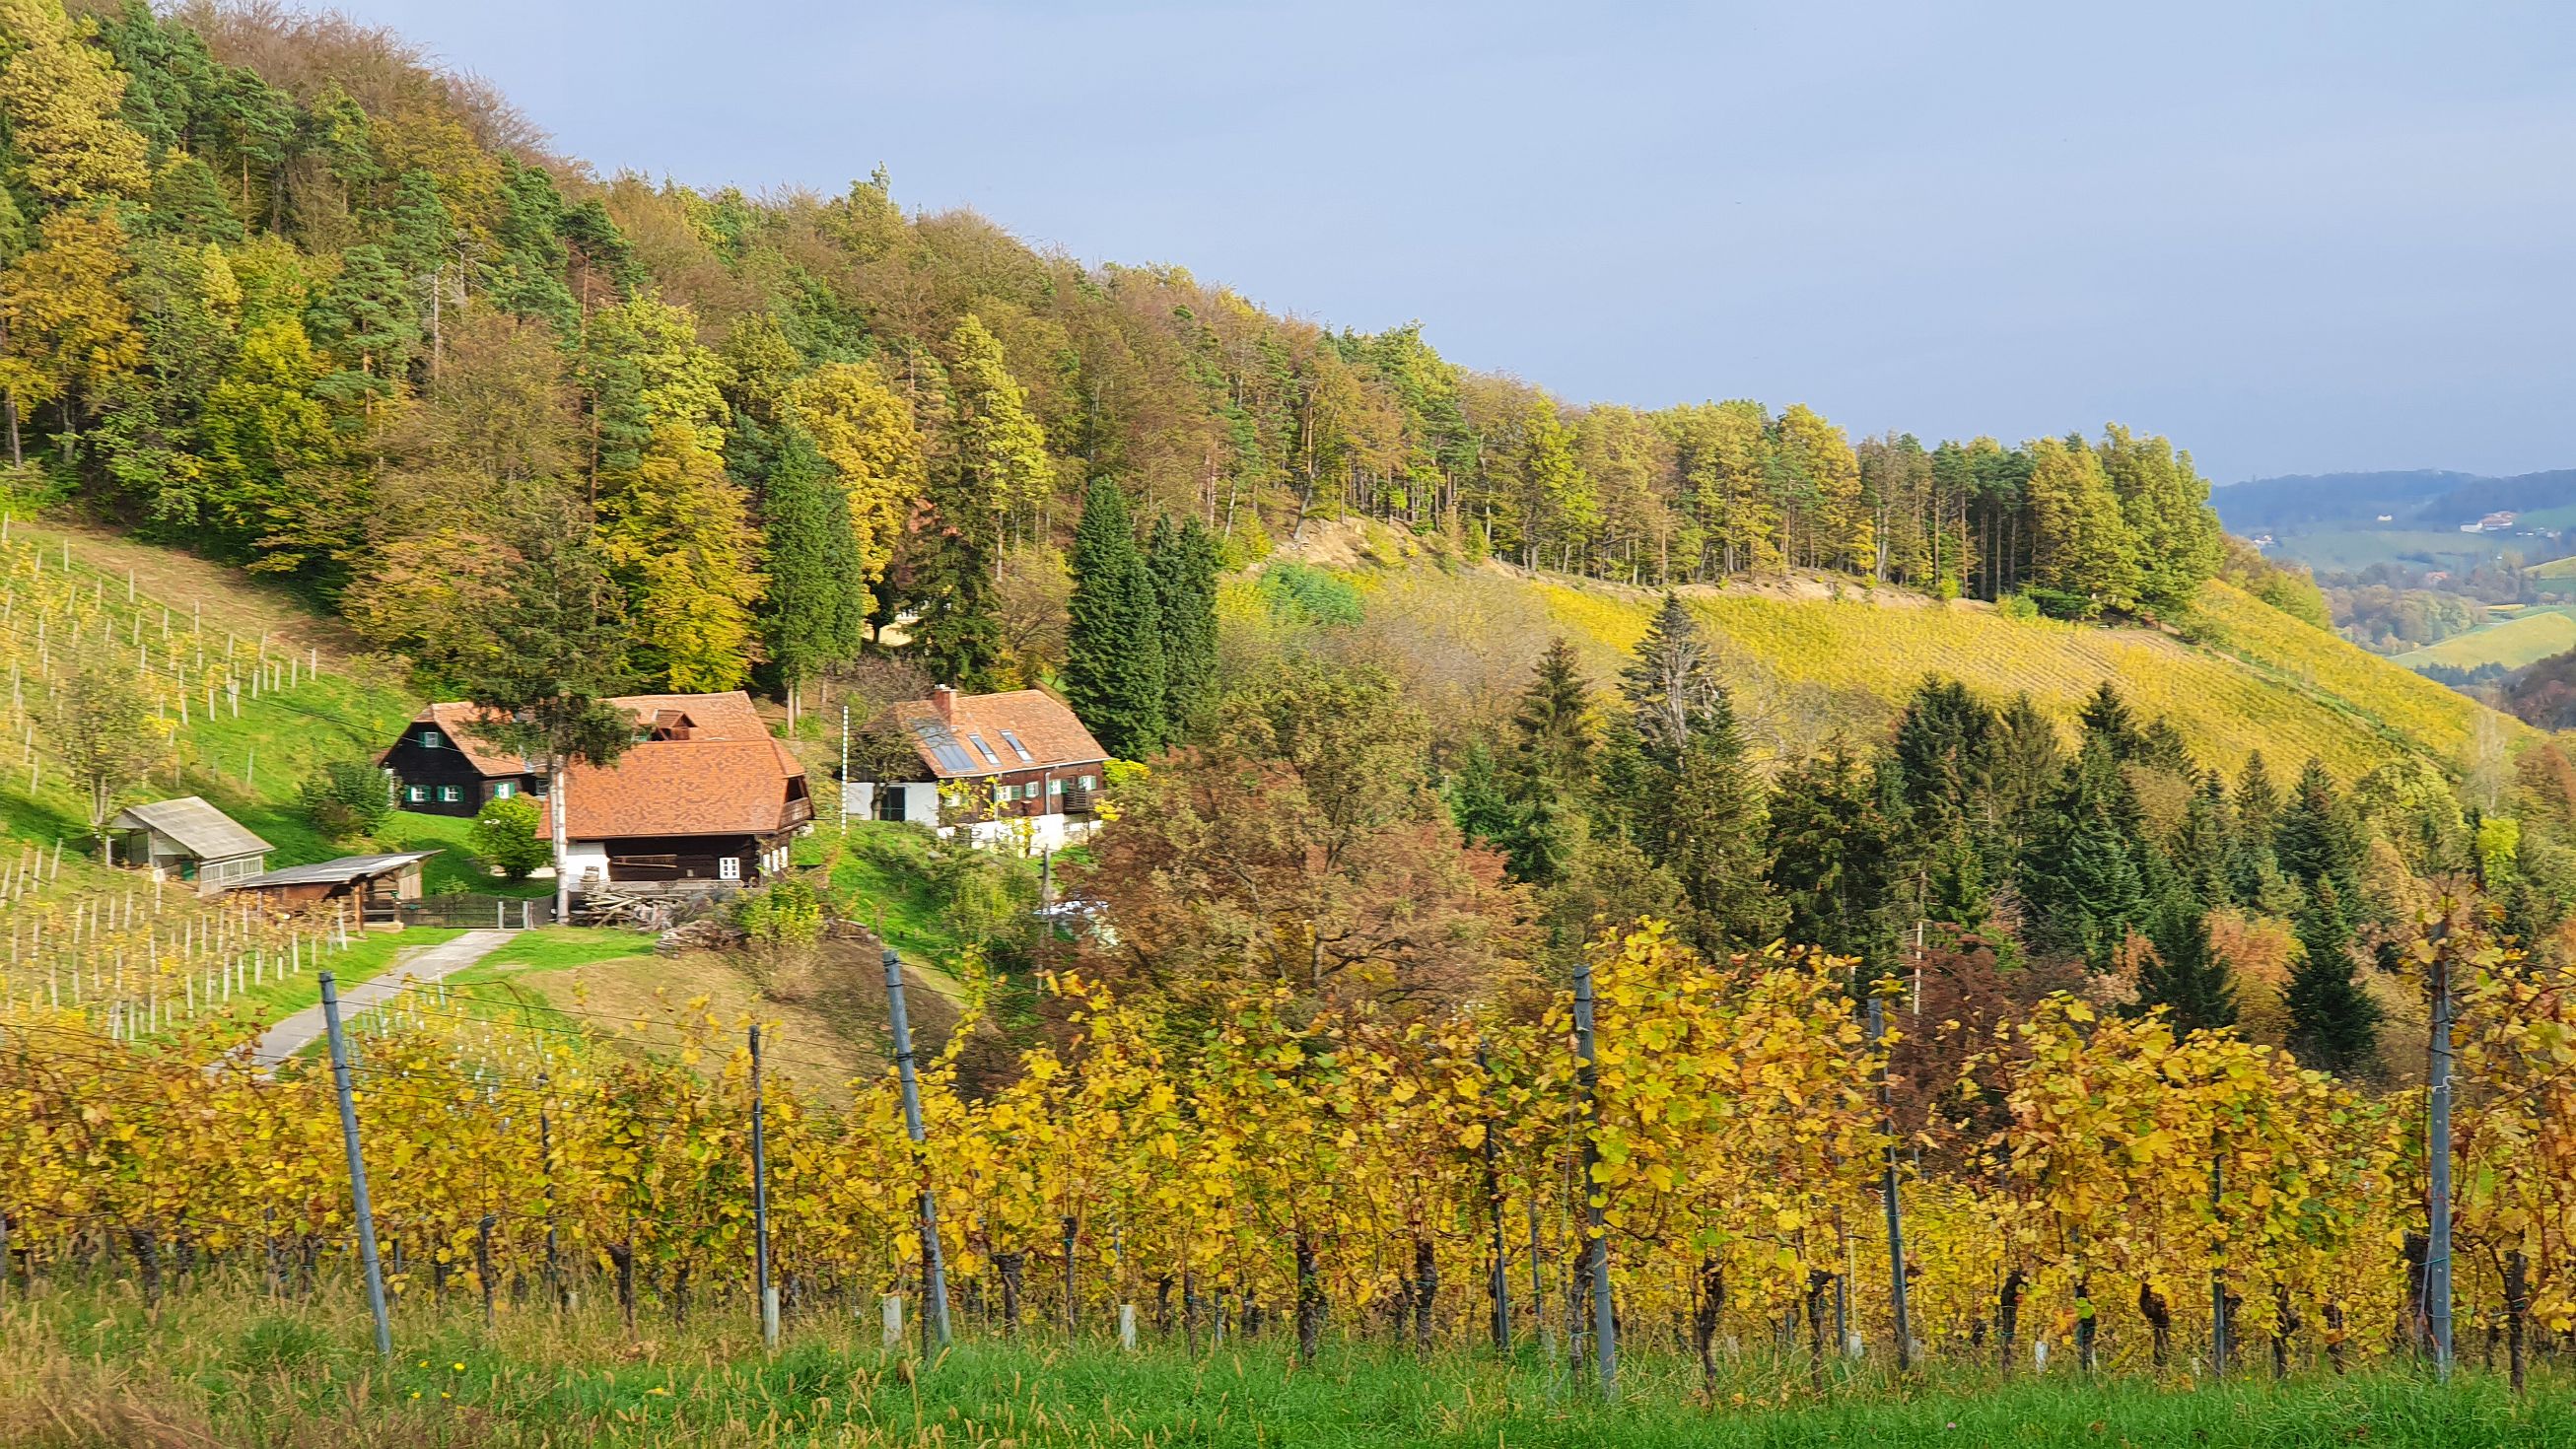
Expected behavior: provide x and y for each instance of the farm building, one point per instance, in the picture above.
(681, 812)
(1016, 769)
(370, 889)
(442, 764)
(187, 839)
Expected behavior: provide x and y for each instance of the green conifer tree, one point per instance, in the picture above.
(2334, 1023)
(1113, 661)
(2316, 837)
(814, 614)
(1183, 561)
(2186, 975)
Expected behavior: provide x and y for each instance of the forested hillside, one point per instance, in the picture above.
(276, 290)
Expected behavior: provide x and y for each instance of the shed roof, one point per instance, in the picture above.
(993, 734)
(336, 872)
(202, 830)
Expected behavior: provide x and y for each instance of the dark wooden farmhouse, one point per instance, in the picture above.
(1015, 769)
(442, 765)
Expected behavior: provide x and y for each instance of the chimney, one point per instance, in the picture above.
(944, 697)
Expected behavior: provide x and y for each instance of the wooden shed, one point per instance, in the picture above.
(190, 840)
(371, 888)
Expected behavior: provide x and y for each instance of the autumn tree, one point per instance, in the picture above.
(678, 540)
(95, 719)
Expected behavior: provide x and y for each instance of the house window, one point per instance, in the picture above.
(729, 868)
(430, 740)
(1086, 782)
(415, 794)
(1055, 787)
(450, 794)
(505, 789)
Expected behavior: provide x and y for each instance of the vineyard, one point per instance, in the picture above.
(1704, 1159)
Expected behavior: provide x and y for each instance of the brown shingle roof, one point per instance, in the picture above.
(726, 716)
(1041, 722)
(685, 787)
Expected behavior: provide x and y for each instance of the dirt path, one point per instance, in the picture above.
(433, 963)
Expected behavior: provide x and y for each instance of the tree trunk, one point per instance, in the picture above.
(1704, 1319)
(1310, 1300)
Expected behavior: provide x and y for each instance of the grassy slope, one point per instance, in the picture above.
(2527, 637)
(2263, 680)
(218, 1366)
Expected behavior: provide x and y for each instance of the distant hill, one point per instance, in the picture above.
(2422, 499)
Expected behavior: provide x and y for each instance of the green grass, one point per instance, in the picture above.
(884, 878)
(368, 957)
(2527, 637)
(2353, 549)
(81, 1368)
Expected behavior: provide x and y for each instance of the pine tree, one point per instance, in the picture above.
(816, 607)
(1183, 561)
(1671, 684)
(2166, 505)
(1553, 724)
(1944, 748)
(1113, 663)
(188, 203)
(2334, 1023)
(2186, 974)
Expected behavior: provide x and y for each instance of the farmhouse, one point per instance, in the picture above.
(683, 812)
(190, 840)
(442, 765)
(1010, 769)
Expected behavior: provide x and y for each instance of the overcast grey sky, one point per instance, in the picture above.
(2296, 238)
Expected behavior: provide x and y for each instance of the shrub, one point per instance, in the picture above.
(349, 799)
(781, 918)
(1302, 591)
(505, 836)
(2017, 606)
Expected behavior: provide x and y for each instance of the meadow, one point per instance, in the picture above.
(85, 1366)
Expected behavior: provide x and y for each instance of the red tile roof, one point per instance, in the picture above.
(1040, 721)
(726, 716)
(695, 786)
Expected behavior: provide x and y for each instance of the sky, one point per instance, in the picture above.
(2296, 238)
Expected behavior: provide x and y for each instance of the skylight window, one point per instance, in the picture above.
(982, 748)
(1018, 749)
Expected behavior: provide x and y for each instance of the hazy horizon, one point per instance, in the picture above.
(2297, 241)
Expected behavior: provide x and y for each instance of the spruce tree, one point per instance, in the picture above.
(2081, 873)
(1829, 851)
(2107, 717)
(1183, 561)
(816, 608)
(2204, 843)
(2251, 866)
(1716, 829)
(1551, 768)
(1113, 663)
(2315, 837)
(2334, 1023)
(2186, 975)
